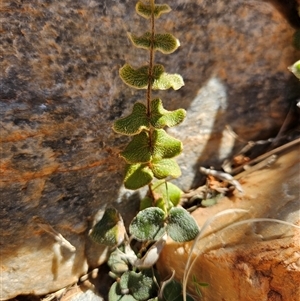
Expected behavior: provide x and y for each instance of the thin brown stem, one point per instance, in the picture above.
(151, 61)
(150, 81)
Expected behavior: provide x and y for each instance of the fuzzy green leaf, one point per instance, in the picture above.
(181, 226)
(138, 78)
(164, 168)
(140, 285)
(135, 78)
(295, 68)
(137, 176)
(115, 294)
(173, 292)
(138, 150)
(167, 191)
(145, 10)
(161, 117)
(165, 43)
(134, 123)
(167, 81)
(117, 263)
(164, 145)
(109, 230)
(148, 224)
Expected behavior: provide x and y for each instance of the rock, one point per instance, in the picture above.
(255, 261)
(60, 93)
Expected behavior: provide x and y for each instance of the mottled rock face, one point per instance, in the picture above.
(60, 93)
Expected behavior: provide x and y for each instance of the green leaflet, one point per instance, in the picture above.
(138, 120)
(165, 43)
(295, 68)
(165, 146)
(137, 176)
(167, 81)
(138, 78)
(134, 123)
(167, 191)
(161, 117)
(164, 168)
(141, 149)
(145, 10)
(138, 150)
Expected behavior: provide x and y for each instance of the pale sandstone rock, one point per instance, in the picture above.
(258, 261)
(60, 93)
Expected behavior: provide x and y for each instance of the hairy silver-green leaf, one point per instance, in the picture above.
(109, 230)
(140, 285)
(134, 123)
(137, 176)
(172, 291)
(148, 224)
(115, 294)
(181, 226)
(164, 168)
(138, 150)
(161, 117)
(164, 42)
(167, 81)
(117, 263)
(164, 145)
(138, 78)
(145, 10)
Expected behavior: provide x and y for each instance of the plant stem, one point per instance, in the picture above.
(151, 61)
(150, 80)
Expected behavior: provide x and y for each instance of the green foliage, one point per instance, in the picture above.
(146, 10)
(133, 124)
(165, 43)
(173, 292)
(150, 161)
(168, 192)
(160, 80)
(151, 224)
(148, 224)
(109, 230)
(163, 146)
(295, 68)
(161, 117)
(140, 285)
(181, 226)
(139, 120)
(197, 285)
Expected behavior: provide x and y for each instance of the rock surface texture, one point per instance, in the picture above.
(60, 93)
(255, 261)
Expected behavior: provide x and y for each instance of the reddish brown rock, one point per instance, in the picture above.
(255, 261)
